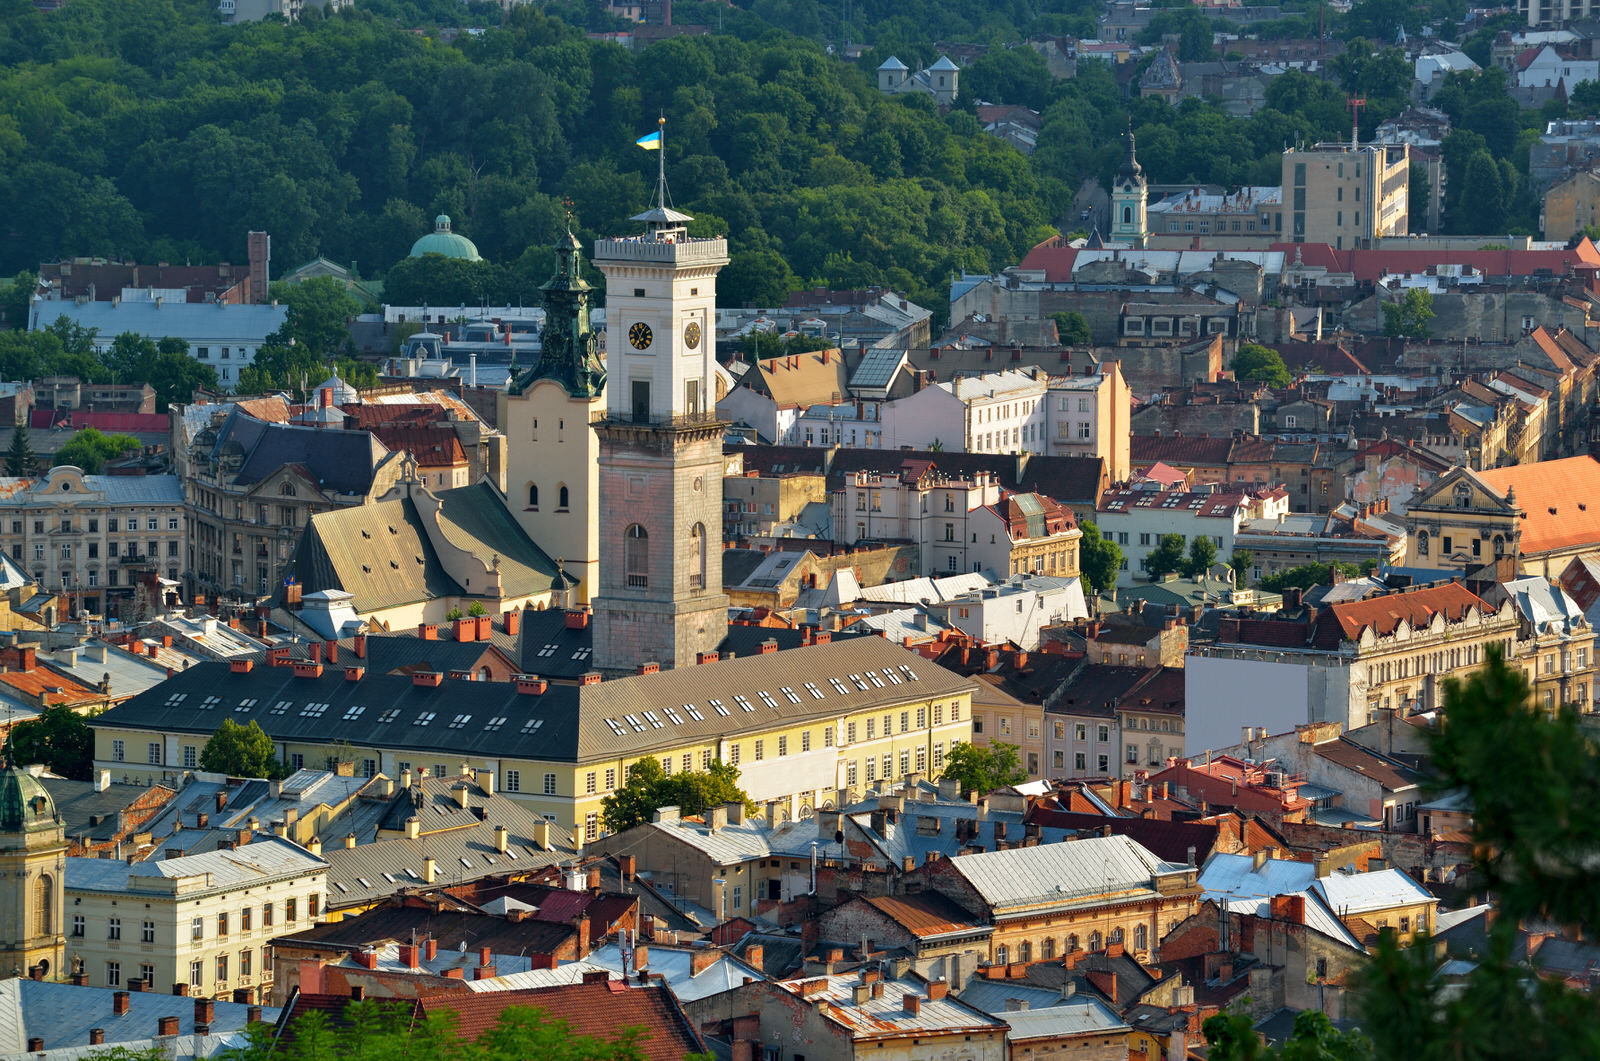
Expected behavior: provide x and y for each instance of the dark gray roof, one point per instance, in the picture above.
(338, 460)
(564, 723)
(476, 518)
(378, 553)
(87, 813)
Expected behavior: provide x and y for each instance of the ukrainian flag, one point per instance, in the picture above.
(650, 142)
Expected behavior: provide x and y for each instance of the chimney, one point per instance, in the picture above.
(429, 868)
(333, 652)
(361, 646)
(513, 621)
(166, 1026)
(430, 949)
(368, 959)
(204, 1010)
(119, 1003)
(252, 1015)
(354, 674)
(428, 631)
(36, 1045)
(410, 956)
(500, 838)
(484, 972)
(702, 959)
(97, 1036)
(938, 989)
(649, 667)
(913, 1004)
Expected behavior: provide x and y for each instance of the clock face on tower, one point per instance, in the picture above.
(691, 335)
(639, 335)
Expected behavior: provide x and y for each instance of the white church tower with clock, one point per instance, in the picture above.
(660, 593)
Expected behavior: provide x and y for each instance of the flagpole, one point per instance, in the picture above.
(661, 161)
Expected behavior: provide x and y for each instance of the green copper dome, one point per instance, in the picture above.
(442, 241)
(25, 806)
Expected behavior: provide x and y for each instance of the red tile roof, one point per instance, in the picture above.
(1417, 607)
(1055, 257)
(600, 1011)
(1561, 499)
(1180, 452)
(126, 423)
(1368, 266)
(434, 447)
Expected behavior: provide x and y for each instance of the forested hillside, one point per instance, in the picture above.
(141, 128)
(146, 129)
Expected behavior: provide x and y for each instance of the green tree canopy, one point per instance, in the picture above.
(1262, 364)
(1532, 778)
(1072, 328)
(59, 738)
(984, 769)
(320, 310)
(19, 458)
(1099, 558)
(241, 751)
(1167, 557)
(1240, 562)
(1307, 575)
(649, 787)
(1202, 554)
(89, 449)
(1409, 317)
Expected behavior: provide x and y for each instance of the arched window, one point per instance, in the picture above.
(1127, 215)
(1141, 937)
(1002, 954)
(697, 556)
(1422, 543)
(1024, 951)
(1499, 546)
(44, 905)
(1047, 949)
(533, 495)
(1116, 936)
(1072, 943)
(287, 489)
(1094, 941)
(636, 557)
(484, 675)
(562, 497)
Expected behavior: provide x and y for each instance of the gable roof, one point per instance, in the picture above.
(1062, 873)
(1417, 607)
(801, 380)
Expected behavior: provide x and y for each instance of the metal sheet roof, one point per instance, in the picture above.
(1360, 893)
(1062, 873)
(62, 1015)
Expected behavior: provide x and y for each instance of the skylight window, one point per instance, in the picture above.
(894, 679)
(246, 705)
(716, 705)
(424, 718)
(816, 693)
(209, 702)
(744, 703)
(460, 721)
(860, 684)
(909, 673)
(616, 727)
(355, 712)
(364, 882)
(839, 687)
(650, 717)
(389, 715)
(673, 716)
(176, 698)
(766, 698)
(633, 720)
(534, 723)
(494, 724)
(794, 697)
(548, 651)
(581, 654)
(280, 708)
(313, 710)
(877, 682)
(694, 712)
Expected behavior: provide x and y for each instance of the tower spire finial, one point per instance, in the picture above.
(661, 163)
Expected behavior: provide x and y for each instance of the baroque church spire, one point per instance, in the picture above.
(570, 349)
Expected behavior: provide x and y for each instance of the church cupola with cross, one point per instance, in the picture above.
(547, 413)
(1128, 198)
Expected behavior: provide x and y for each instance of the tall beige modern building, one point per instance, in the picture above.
(1346, 195)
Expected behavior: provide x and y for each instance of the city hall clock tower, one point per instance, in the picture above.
(660, 492)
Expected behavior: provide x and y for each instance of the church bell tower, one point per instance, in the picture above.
(1128, 197)
(660, 492)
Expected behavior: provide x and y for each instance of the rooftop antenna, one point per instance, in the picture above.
(1355, 105)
